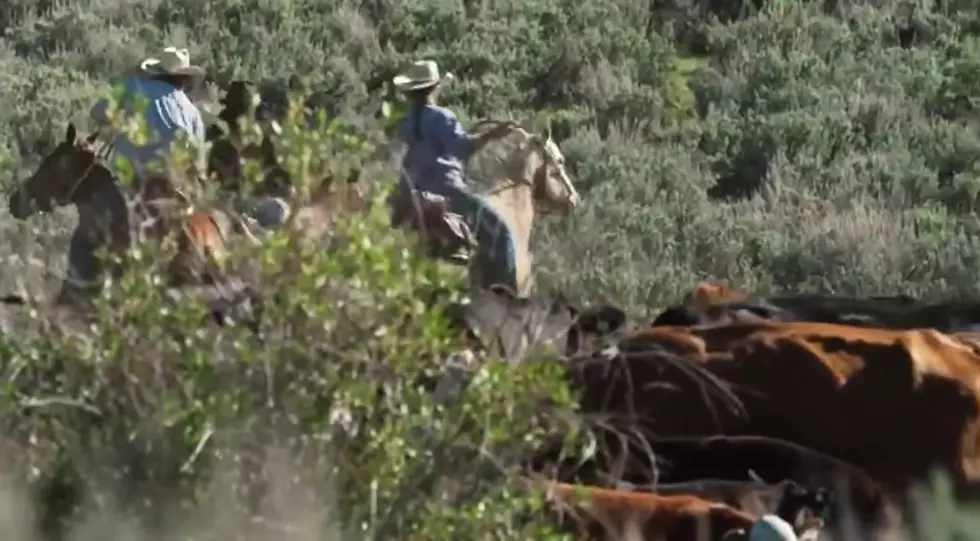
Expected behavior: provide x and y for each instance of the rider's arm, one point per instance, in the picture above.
(451, 134)
(481, 140)
(457, 137)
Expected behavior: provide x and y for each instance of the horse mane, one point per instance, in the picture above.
(492, 164)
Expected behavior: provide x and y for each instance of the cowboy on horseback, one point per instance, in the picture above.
(164, 82)
(438, 150)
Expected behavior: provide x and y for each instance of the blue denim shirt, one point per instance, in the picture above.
(169, 112)
(437, 152)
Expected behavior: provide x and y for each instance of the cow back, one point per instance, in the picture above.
(893, 402)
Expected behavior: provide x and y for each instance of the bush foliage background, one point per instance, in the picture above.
(853, 125)
(785, 146)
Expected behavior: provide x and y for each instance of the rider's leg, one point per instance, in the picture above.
(496, 252)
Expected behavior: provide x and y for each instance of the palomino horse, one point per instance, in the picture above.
(76, 172)
(534, 179)
(533, 175)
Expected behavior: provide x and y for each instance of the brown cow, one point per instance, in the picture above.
(709, 292)
(597, 514)
(742, 462)
(714, 303)
(894, 403)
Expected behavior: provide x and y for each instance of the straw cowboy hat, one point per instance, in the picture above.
(172, 61)
(421, 74)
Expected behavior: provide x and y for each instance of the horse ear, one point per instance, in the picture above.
(547, 131)
(70, 133)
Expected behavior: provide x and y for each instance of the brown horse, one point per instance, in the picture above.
(77, 172)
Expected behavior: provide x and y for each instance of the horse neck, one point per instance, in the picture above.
(105, 213)
(515, 204)
(101, 187)
(514, 200)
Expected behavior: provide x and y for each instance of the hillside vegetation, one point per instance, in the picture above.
(784, 146)
(844, 137)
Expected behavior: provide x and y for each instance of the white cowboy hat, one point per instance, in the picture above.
(171, 61)
(419, 75)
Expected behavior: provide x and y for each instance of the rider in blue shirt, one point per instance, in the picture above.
(438, 150)
(163, 83)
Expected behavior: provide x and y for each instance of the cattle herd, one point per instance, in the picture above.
(825, 409)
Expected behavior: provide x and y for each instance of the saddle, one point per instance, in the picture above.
(445, 234)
